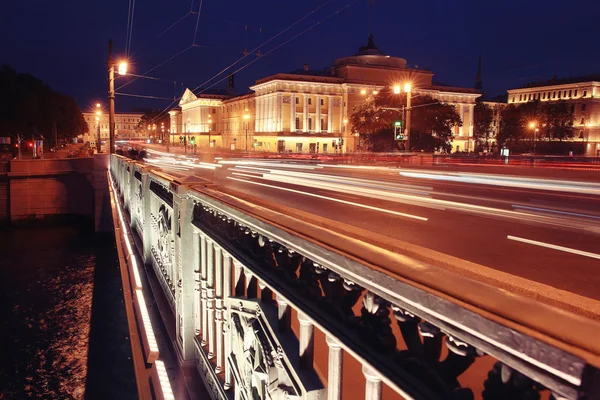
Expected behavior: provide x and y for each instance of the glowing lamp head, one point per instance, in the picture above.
(532, 125)
(589, 124)
(122, 68)
(363, 92)
(396, 89)
(97, 105)
(345, 121)
(375, 92)
(246, 116)
(407, 87)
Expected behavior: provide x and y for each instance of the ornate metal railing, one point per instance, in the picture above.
(268, 306)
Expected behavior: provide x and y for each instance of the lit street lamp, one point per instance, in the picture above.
(408, 91)
(122, 70)
(98, 117)
(246, 118)
(534, 128)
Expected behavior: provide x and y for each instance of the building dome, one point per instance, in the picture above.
(370, 55)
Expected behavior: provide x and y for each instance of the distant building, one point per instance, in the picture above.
(583, 94)
(308, 111)
(126, 126)
(497, 108)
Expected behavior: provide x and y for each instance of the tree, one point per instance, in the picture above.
(511, 128)
(432, 122)
(29, 107)
(483, 115)
(150, 118)
(558, 118)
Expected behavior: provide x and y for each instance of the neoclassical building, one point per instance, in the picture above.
(126, 125)
(583, 94)
(308, 111)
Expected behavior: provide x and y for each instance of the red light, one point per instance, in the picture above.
(30, 144)
(16, 145)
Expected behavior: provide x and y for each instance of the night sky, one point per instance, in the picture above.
(64, 42)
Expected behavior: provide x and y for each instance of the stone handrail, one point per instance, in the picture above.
(235, 274)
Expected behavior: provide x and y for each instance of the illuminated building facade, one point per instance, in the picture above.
(308, 111)
(582, 94)
(126, 125)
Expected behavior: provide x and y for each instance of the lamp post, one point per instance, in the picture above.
(122, 70)
(408, 91)
(534, 128)
(246, 118)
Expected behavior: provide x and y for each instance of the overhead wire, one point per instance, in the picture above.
(263, 44)
(197, 23)
(270, 51)
(131, 27)
(278, 46)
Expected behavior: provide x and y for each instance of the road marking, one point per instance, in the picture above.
(334, 199)
(554, 247)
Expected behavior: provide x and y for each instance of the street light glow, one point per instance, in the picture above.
(98, 113)
(407, 87)
(97, 105)
(396, 89)
(345, 121)
(122, 68)
(363, 92)
(246, 116)
(532, 125)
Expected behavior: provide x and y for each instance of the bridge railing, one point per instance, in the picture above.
(268, 306)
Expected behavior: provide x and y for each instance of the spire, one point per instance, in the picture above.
(371, 4)
(370, 48)
(478, 81)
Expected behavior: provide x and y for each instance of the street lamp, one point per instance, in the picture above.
(534, 128)
(122, 70)
(408, 90)
(396, 89)
(246, 117)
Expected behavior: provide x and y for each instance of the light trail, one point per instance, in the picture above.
(555, 247)
(547, 210)
(509, 181)
(383, 210)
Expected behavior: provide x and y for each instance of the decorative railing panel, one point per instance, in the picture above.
(235, 280)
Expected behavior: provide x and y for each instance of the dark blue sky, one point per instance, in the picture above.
(64, 42)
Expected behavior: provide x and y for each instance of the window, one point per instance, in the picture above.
(520, 97)
(565, 93)
(570, 93)
(582, 121)
(553, 95)
(575, 94)
(322, 102)
(309, 101)
(584, 93)
(559, 92)
(529, 96)
(323, 128)
(324, 147)
(297, 100)
(297, 123)
(583, 107)
(544, 96)
(310, 124)
(513, 99)
(214, 110)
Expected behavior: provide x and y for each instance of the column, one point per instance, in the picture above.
(203, 288)
(330, 116)
(279, 112)
(471, 118)
(210, 298)
(305, 114)
(307, 341)
(258, 109)
(227, 266)
(373, 383)
(462, 118)
(293, 113)
(335, 369)
(219, 308)
(318, 121)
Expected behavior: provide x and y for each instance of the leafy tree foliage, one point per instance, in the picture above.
(29, 107)
(432, 122)
(483, 116)
(153, 117)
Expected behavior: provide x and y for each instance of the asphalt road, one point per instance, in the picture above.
(540, 229)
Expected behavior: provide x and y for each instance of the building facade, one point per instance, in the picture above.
(126, 126)
(309, 111)
(583, 94)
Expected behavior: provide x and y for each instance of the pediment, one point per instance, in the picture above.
(188, 96)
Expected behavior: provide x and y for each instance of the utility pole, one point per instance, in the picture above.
(111, 99)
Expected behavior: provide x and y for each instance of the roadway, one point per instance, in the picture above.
(543, 230)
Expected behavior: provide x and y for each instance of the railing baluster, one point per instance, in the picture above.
(240, 284)
(335, 369)
(373, 383)
(203, 313)
(307, 341)
(227, 266)
(284, 314)
(210, 298)
(219, 307)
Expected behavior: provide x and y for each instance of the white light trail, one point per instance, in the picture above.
(383, 210)
(554, 247)
(547, 210)
(509, 181)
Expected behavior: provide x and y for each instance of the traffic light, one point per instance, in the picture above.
(192, 140)
(398, 123)
(399, 136)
